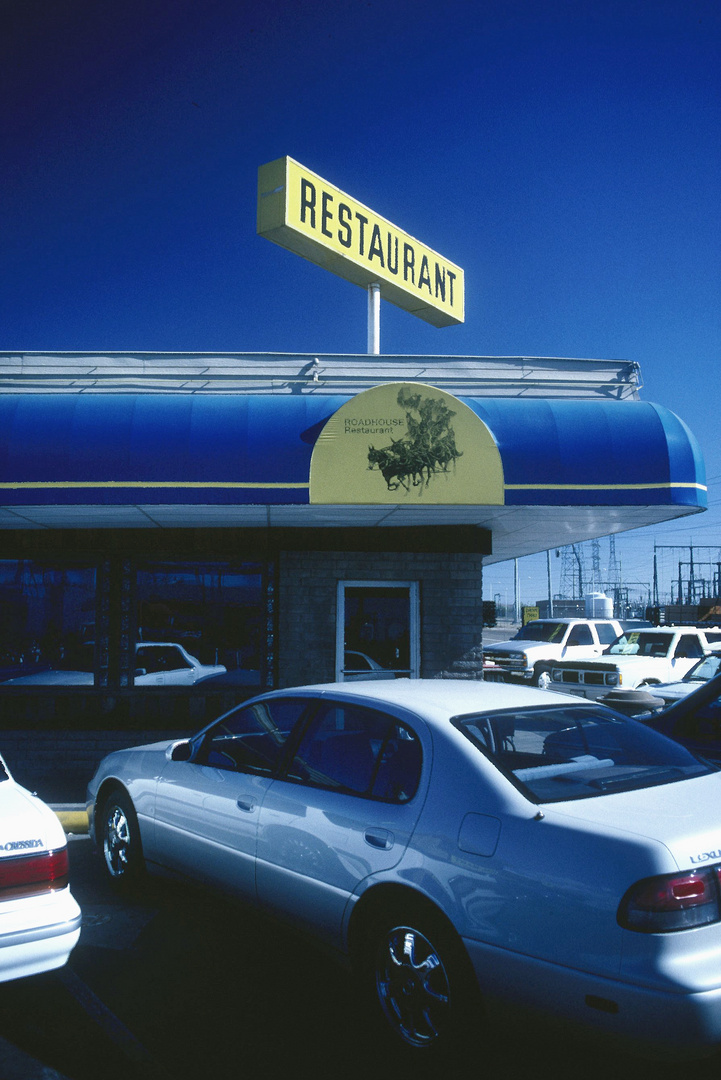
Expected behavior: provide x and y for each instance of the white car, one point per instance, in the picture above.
(161, 663)
(39, 917)
(457, 839)
(359, 667)
(158, 663)
(701, 672)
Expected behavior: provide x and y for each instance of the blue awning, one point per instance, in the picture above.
(229, 449)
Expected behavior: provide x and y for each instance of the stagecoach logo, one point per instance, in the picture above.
(427, 447)
(21, 845)
(406, 443)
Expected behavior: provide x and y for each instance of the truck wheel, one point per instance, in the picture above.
(542, 678)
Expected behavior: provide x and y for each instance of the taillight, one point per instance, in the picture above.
(659, 905)
(26, 875)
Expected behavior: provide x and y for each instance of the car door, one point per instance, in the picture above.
(580, 643)
(206, 809)
(162, 665)
(688, 651)
(344, 810)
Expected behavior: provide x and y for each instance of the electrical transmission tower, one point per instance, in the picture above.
(572, 571)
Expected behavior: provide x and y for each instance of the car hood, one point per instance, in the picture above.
(628, 660)
(685, 817)
(26, 823)
(513, 646)
(53, 677)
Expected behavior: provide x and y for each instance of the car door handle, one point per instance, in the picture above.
(247, 803)
(379, 838)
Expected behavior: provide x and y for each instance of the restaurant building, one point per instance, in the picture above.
(181, 530)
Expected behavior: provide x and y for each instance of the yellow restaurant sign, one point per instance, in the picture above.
(304, 213)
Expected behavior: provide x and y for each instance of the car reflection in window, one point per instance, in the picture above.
(564, 752)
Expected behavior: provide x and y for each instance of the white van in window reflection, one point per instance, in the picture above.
(157, 663)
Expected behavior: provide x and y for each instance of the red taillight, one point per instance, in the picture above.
(670, 902)
(26, 875)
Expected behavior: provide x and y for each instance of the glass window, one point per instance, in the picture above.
(542, 631)
(606, 632)
(641, 643)
(574, 752)
(580, 635)
(251, 738)
(360, 752)
(704, 669)
(152, 658)
(215, 611)
(689, 647)
(47, 623)
(377, 631)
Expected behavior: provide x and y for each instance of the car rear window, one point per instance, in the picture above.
(557, 753)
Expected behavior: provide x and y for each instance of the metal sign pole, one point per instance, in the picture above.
(374, 320)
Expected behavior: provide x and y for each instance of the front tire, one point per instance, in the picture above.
(542, 678)
(120, 843)
(422, 980)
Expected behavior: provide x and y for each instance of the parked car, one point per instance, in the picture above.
(158, 663)
(531, 653)
(637, 658)
(701, 672)
(39, 917)
(358, 666)
(455, 839)
(694, 720)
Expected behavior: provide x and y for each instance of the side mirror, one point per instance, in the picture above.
(179, 751)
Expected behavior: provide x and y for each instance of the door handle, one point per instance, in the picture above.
(247, 803)
(379, 838)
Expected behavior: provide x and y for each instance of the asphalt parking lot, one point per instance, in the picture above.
(175, 983)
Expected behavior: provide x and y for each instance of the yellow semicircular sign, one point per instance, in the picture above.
(406, 443)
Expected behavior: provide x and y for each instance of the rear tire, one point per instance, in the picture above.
(418, 972)
(120, 844)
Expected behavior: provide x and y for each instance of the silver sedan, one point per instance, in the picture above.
(456, 839)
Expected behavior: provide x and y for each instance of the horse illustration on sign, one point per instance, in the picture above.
(427, 447)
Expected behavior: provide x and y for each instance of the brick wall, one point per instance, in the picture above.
(59, 764)
(451, 609)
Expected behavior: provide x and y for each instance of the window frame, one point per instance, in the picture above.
(413, 617)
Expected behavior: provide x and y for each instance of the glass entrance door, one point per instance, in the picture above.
(377, 633)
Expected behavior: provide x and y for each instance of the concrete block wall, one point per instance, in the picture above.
(59, 764)
(451, 608)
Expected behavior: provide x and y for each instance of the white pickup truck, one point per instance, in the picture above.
(537, 645)
(659, 654)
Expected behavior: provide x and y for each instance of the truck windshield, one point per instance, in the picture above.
(559, 753)
(541, 631)
(641, 643)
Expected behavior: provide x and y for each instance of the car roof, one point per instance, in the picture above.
(439, 697)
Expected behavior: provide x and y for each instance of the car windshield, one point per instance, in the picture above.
(705, 669)
(557, 753)
(641, 643)
(541, 631)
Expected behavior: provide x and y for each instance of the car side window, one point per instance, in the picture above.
(359, 751)
(606, 633)
(251, 738)
(580, 635)
(160, 659)
(688, 647)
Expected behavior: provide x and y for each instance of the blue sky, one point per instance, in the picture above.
(567, 155)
